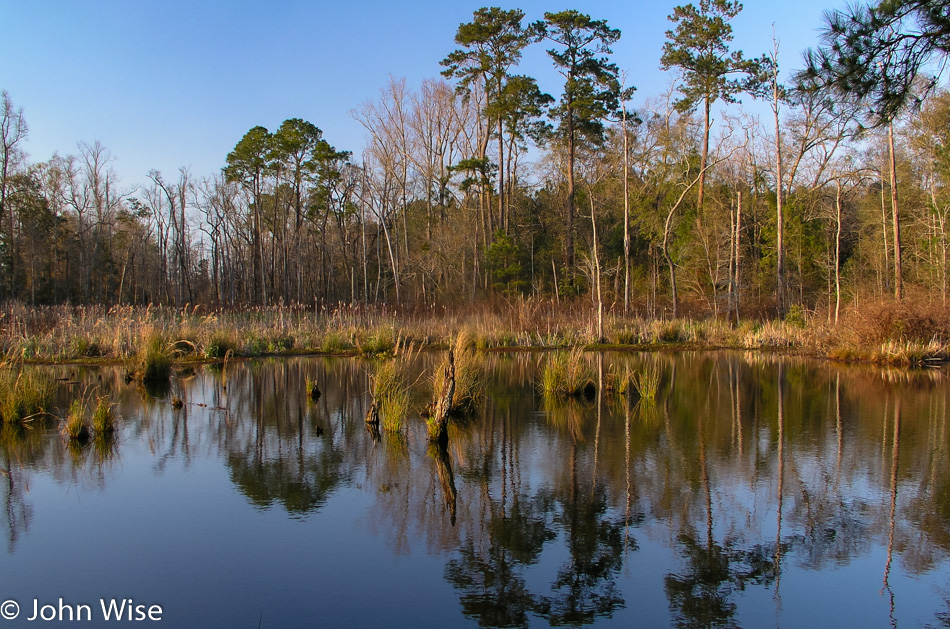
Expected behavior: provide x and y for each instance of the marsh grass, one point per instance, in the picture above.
(220, 344)
(154, 362)
(911, 353)
(646, 381)
(25, 395)
(469, 375)
(103, 416)
(90, 414)
(389, 388)
(76, 425)
(84, 333)
(566, 374)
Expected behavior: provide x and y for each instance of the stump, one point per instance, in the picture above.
(372, 415)
(443, 405)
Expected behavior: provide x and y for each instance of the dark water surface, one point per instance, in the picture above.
(754, 492)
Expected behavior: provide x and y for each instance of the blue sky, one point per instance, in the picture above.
(171, 83)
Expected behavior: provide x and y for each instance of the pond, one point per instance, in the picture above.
(755, 490)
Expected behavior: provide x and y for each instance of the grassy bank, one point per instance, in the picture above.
(886, 332)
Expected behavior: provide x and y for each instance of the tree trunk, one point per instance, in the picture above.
(779, 210)
(704, 156)
(626, 215)
(896, 226)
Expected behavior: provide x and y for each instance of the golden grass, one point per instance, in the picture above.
(24, 395)
(126, 333)
(566, 374)
(389, 387)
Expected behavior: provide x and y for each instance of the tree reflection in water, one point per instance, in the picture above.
(491, 581)
(745, 468)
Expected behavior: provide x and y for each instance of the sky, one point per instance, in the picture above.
(165, 84)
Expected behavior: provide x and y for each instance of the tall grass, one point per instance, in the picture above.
(469, 375)
(566, 374)
(154, 361)
(76, 426)
(103, 416)
(90, 414)
(646, 381)
(25, 395)
(389, 387)
(64, 333)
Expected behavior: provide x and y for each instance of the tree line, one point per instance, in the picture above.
(477, 187)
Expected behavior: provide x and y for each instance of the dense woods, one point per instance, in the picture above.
(477, 187)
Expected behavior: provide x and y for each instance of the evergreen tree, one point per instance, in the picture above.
(699, 48)
(591, 90)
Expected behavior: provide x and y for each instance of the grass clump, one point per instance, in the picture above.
(381, 341)
(390, 390)
(911, 353)
(334, 342)
(90, 415)
(566, 374)
(469, 375)
(220, 345)
(24, 395)
(647, 382)
(76, 427)
(154, 361)
(103, 416)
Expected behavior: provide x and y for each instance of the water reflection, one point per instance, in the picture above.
(744, 469)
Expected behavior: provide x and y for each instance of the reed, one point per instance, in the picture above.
(911, 353)
(87, 333)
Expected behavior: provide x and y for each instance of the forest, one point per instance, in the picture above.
(474, 187)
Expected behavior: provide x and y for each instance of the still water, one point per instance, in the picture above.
(755, 491)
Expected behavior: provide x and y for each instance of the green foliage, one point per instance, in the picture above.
(796, 316)
(220, 345)
(502, 258)
(592, 89)
(492, 43)
(876, 52)
(698, 47)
